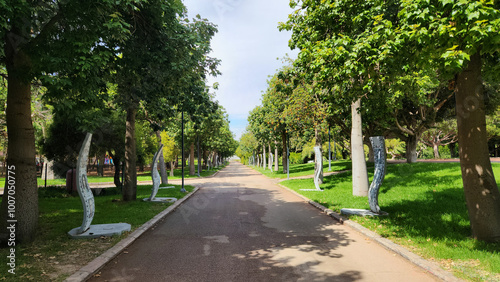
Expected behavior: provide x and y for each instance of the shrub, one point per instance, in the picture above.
(296, 158)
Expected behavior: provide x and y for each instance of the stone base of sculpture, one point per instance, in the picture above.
(362, 212)
(311, 190)
(160, 200)
(166, 187)
(98, 230)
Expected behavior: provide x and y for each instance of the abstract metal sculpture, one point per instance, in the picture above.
(378, 145)
(319, 169)
(86, 230)
(157, 181)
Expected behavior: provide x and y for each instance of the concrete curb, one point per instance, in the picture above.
(417, 260)
(92, 267)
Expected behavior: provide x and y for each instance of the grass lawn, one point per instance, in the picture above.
(53, 256)
(427, 215)
(304, 169)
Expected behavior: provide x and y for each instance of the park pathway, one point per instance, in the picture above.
(240, 226)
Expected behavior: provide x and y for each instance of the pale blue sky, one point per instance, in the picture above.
(248, 43)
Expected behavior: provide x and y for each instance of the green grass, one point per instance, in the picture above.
(427, 215)
(303, 169)
(52, 249)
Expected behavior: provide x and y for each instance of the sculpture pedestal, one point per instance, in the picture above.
(362, 212)
(166, 187)
(311, 190)
(98, 230)
(160, 200)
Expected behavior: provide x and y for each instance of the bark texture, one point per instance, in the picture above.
(20, 151)
(481, 191)
(411, 148)
(191, 160)
(130, 181)
(318, 164)
(360, 183)
(285, 157)
(276, 157)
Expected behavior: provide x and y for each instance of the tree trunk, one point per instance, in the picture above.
(100, 167)
(116, 178)
(192, 170)
(318, 166)
(161, 160)
(20, 152)
(481, 191)
(130, 181)
(199, 155)
(371, 154)
(453, 150)
(359, 173)
(276, 157)
(205, 160)
(264, 157)
(435, 148)
(411, 149)
(270, 159)
(285, 157)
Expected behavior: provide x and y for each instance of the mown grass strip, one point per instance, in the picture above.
(298, 170)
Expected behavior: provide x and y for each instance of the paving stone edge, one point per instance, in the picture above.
(94, 266)
(430, 267)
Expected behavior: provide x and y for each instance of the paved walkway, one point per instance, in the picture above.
(240, 226)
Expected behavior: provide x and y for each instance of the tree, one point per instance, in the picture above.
(472, 35)
(164, 62)
(40, 38)
(442, 134)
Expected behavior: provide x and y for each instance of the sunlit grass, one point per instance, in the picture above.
(427, 215)
(304, 169)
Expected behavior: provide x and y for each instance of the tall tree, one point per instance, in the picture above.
(472, 34)
(164, 62)
(38, 38)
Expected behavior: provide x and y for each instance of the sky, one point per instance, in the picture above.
(250, 48)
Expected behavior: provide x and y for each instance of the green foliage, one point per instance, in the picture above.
(170, 149)
(296, 158)
(395, 148)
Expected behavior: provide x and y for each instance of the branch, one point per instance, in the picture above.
(441, 104)
(45, 31)
(402, 129)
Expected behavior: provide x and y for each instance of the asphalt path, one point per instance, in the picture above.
(241, 226)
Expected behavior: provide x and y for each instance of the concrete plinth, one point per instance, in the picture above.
(362, 212)
(98, 230)
(311, 190)
(160, 200)
(166, 187)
